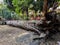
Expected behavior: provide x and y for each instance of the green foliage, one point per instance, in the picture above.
(6, 13)
(20, 6)
(9, 4)
(38, 5)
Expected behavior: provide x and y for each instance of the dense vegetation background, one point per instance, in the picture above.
(20, 9)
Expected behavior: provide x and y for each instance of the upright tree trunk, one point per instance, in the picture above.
(45, 6)
(27, 14)
(23, 14)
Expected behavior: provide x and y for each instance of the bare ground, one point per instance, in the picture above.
(16, 36)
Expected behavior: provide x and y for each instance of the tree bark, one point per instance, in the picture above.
(45, 6)
(27, 14)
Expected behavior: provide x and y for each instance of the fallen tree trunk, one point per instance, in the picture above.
(27, 27)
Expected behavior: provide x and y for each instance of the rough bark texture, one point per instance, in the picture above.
(45, 7)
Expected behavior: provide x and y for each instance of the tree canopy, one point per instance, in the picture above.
(24, 5)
